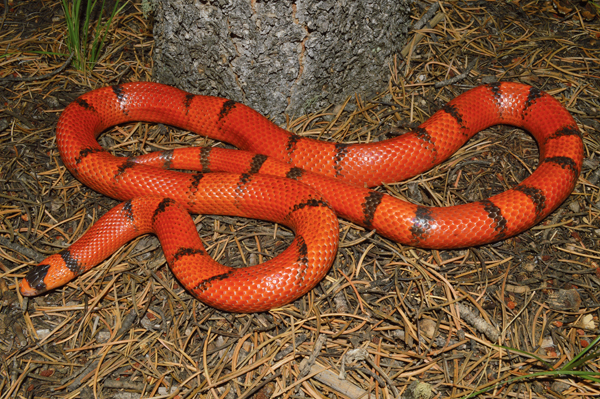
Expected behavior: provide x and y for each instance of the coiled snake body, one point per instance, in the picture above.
(295, 181)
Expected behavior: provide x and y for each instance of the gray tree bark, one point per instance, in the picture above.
(279, 57)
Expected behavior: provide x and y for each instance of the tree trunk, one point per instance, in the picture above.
(278, 57)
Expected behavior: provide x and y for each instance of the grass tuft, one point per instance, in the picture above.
(87, 48)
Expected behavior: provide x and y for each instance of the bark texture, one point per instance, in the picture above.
(278, 57)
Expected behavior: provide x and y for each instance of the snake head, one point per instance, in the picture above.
(53, 272)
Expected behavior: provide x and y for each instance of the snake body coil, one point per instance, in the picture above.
(295, 181)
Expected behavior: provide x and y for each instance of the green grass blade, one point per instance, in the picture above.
(591, 352)
(579, 359)
(101, 34)
(586, 375)
(71, 11)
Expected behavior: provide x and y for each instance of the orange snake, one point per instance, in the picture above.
(298, 182)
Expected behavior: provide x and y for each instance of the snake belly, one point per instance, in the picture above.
(296, 181)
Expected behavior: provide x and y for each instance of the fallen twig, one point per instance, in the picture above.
(41, 77)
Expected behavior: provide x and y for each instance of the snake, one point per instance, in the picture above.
(298, 182)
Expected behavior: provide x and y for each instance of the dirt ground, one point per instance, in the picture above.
(513, 319)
